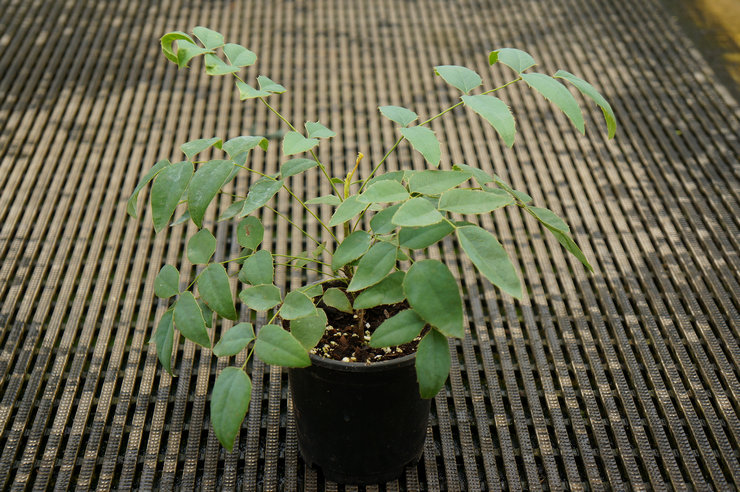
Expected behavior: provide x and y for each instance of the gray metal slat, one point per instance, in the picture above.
(137, 349)
(77, 213)
(672, 378)
(508, 368)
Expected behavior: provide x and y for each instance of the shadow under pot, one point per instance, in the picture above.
(360, 423)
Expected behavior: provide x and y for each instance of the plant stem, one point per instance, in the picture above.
(424, 123)
(274, 316)
(313, 154)
(195, 279)
(390, 151)
(301, 258)
(308, 268)
(253, 171)
(249, 356)
(299, 201)
(347, 185)
(294, 225)
(303, 204)
(359, 219)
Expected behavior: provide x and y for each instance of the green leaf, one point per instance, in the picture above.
(231, 211)
(423, 140)
(169, 38)
(479, 175)
(216, 66)
(181, 219)
(381, 222)
(387, 291)
(391, 176)
(324, 200)
(351, 248)
(295, 143)
(337, 299)
(151, 174)
(496, 112)
(296, 305)
(258, 269)
(235, 340)
(309, 329)
(260, 193)
(261, 297)
(207, 313)
(266, 84)
(433, 293)
(556, 93)
(167, 283)
(238, 55)
(250, 232)
(189, 320)
(423, 237)
(561, 231)
(571, 246)
(210, 39)
(347, 210)
(296, 166)
(278, 347)
(432, 363)
(232, 175)
(213, 285)
(232, 392)
(167, 189)
(246, 91)
(373, 266)
(549, 219)
(590, 91)
(300, 260)
(473, 201)
(312, 290)
(400, 115)
(317, 130)
(186, 51)
(318, 250)
(164, 340)
(201, 247)
(515, 59)
(417, 212)
(462, 78)
(397, 330)
(490, 258)
(206, 182)
(433, 182)
(384, 192)
(238, 147)
(520, 195)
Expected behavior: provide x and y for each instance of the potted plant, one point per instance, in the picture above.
(366, 344)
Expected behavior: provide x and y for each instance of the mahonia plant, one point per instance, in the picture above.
(411, 211)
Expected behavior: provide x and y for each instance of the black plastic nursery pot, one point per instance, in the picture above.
(360, 423)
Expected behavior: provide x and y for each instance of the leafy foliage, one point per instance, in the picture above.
(408, 211)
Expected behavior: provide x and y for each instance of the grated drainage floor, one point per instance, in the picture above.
(622, 379)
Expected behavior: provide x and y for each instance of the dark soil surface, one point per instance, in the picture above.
(347, 335)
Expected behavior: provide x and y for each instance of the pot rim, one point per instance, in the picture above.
(338, 365)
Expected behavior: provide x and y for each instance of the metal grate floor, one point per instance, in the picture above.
(626, 378)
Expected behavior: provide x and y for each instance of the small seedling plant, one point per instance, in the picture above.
(382, 265)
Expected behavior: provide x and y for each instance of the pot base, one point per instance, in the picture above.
(361, 424)
(340, 476)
